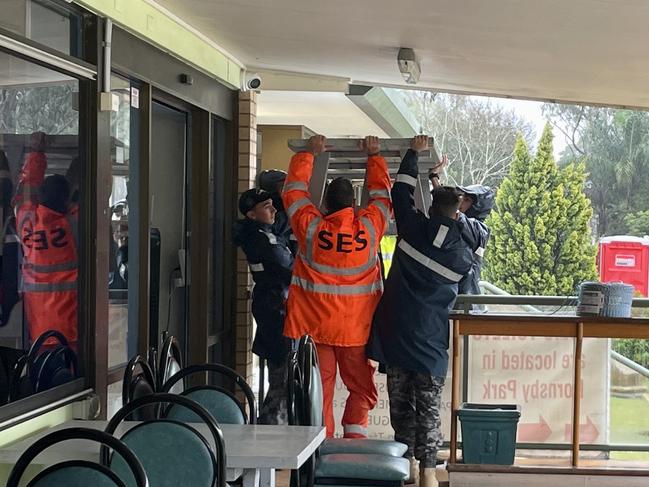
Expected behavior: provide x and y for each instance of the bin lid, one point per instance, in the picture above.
(491, 411)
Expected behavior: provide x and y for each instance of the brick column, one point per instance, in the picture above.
(247, 172)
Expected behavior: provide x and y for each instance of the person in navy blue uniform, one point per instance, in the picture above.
(477, 202)
(410, 329)
(272, 181)
(271, 265)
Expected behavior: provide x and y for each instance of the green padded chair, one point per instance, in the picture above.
(173, 453)
(354, 465)
(342, 445)
(220, 402)
(79, 473)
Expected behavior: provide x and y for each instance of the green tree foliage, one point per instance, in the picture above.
(637, 223)
(540, 235)
(636, 350)
(615, 147)
(47, 108)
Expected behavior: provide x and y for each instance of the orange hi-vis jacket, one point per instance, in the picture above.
(336, 282)
(50, 262)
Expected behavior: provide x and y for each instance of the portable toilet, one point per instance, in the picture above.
(625, 259)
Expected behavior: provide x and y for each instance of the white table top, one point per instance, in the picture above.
(246, 446)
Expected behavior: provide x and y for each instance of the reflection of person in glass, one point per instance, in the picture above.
(6, 189)
(47, 225)
(119, 245)
(8, 244)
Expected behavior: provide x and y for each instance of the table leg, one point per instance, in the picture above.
(576, 405)
(455, 390)
(267, 477)
(250, 477)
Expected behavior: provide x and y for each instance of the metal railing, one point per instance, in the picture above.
(500, 296)
(636, 367)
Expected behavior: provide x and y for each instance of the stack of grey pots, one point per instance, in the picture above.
(613, 300)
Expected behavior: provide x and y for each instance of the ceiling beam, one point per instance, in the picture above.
(385, 108)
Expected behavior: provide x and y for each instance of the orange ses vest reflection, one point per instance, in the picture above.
(50, 261)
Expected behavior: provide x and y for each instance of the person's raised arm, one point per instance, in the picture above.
(295, 195)
(379, 208)
(403, 191)
(32, 173)
(435, 171)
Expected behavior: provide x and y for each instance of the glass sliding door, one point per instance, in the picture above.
(168, 222)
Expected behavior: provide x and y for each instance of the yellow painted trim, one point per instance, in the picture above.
(157, 25)
(274, 80)
(28, 428)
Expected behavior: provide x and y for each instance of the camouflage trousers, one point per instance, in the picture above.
(273, 410)
(415, 400)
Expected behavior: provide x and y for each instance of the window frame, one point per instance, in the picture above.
(80, 22)
(85, 73)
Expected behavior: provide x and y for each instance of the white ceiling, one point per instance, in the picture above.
(329, 114)
(593, 51)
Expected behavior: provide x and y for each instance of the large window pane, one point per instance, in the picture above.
(629, 397)
(40, 186)
(45, 22)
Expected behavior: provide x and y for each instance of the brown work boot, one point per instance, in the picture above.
(414, 471)
(427, 477)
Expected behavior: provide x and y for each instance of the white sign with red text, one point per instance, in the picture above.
(535, 373)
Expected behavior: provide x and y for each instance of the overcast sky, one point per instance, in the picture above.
(531, 110)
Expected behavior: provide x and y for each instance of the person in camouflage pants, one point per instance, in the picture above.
(273, 410)
(410, 330)
(415, 401)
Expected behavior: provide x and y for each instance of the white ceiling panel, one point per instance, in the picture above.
(592, 51)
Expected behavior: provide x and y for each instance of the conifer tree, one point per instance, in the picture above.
(541, 240)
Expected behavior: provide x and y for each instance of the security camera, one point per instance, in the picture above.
(250, 81)
(409, 65)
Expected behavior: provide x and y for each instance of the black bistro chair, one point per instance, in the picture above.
(355, 462)
(172, 452)
(139, 381)
(9, 357)
(145, 376)
(170, 362)
(219, 401)
(79, 473)
(44, 366)
(307, 350)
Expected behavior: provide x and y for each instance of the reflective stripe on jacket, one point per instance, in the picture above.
(336, 282)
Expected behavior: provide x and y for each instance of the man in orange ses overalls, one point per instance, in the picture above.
(336, 282)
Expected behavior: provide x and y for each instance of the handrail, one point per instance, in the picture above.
(499, 296)
(636, 367)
